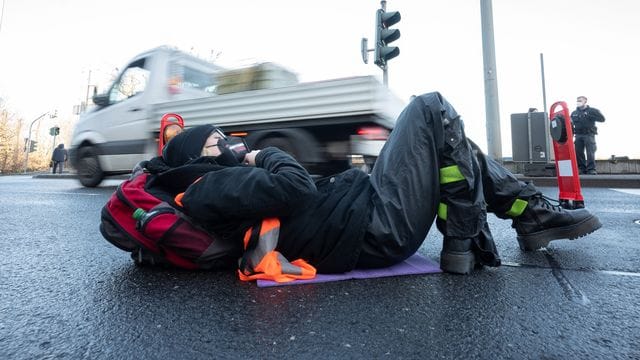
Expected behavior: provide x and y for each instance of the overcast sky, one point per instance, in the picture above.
(48, 47)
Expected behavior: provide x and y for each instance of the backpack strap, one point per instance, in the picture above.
(261, 261)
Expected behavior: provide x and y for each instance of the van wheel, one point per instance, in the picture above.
(281, 143)
(89, 172)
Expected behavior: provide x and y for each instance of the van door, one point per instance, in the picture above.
(125, 117)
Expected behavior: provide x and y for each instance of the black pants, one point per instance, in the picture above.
(59, 165)
(585, 142)
(428, 136)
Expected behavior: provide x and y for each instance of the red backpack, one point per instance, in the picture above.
(156, 233)
(161, 234)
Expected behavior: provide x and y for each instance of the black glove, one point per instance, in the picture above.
(232, 151)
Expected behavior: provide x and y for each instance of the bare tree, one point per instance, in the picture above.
(10, 144)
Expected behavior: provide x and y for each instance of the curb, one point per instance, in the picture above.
(74, 176)
(55, 176)
(599, 181)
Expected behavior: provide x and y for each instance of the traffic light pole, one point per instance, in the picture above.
(385, 73)
(54, 144)
(26, 159)
(385, 77)
(383, 52)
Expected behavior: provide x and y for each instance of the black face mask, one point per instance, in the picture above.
(232, 151)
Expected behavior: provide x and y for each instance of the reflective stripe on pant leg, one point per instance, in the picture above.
(517, 208)
(448, 174)
(442, 211)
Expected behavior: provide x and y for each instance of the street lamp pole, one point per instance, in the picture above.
(492, 106)
(26, 159)
(86, 99)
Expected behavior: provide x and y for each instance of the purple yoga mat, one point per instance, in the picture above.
(416, 264)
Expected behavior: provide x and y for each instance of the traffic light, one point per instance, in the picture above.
(54, 131)
(385, 35)
(33, 146)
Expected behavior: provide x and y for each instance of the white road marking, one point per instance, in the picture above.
(52, 193)
(607, 272)
(629, 191)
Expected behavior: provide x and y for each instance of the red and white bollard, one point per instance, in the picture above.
(170, 125)
(570, 194)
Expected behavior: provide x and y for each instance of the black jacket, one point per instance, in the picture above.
(59, 153)
(322, 222)
(584, 120)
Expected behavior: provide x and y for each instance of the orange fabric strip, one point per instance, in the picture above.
(270, 268)
(273, 265)
(247, 236)
(269, 224)
(178, 199)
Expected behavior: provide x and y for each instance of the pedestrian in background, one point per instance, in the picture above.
(584, 120)
(58, 158)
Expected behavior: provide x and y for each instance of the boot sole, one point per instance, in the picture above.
(540, 239)
(457, 262)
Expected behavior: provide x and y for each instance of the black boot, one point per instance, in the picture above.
(461, 256)
(542, 222)
(457, 256)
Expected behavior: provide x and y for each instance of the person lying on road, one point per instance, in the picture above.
(427, 170)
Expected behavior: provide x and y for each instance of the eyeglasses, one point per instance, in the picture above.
(217, 132)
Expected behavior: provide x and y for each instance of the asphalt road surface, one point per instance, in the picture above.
(67, 293)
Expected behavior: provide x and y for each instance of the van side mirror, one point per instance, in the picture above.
(101, 100)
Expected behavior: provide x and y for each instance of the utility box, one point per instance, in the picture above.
(530, 137)
(531, 144)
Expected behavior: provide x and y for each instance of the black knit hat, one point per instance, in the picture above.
(186, 146)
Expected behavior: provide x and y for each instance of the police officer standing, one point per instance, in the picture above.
(584, 129)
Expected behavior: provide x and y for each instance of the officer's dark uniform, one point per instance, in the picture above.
(585, 130)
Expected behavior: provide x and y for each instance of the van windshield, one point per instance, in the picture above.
(132, 81)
